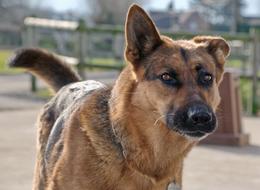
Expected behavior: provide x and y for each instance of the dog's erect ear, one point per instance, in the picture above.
(141, 35)
(216, 46)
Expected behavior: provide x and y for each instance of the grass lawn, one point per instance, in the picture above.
(235, 63)
(4, 56)
(104, 63)
(44, 93)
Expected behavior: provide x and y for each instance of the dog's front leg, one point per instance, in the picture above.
(176, 183)
(173, 186)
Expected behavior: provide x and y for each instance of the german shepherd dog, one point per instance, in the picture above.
(136, 134)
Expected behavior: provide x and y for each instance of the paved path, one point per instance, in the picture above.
(15, 93)
(17, 149)
(207, 167)
(229, 168)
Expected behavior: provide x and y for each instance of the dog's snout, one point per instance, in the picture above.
(199, 116)
(193, 119)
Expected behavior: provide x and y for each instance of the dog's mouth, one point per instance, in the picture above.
(192, 135)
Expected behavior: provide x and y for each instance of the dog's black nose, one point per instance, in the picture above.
(194, 119)
(199, 115)
(200, 118)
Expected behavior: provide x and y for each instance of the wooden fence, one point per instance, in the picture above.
(102, 47)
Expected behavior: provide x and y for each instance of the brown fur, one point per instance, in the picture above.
(117, 138)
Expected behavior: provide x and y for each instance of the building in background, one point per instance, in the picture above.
(188, 21)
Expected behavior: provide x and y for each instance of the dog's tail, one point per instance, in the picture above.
(45, 65)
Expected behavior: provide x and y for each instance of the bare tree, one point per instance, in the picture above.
(110, 11)
(14, 10)
(222, 12)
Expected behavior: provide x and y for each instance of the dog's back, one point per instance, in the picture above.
(51, 122)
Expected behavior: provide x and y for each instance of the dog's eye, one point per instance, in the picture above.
(205, 79)
(166, 77)
(169, 79)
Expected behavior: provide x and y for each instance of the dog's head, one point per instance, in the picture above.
(177, 79)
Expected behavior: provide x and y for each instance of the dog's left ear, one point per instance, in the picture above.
(142, 36)
(216, 46)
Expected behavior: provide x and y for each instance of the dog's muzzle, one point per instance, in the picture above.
(195, 120)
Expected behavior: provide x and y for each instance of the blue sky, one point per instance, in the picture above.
(253, 6)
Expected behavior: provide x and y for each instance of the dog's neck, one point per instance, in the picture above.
(149, 146)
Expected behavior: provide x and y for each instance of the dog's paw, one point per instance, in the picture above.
(173, 186)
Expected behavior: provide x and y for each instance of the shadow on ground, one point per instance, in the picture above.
(253, 150)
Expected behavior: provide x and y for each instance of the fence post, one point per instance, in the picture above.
(81, 45)
(256, 41)
(230, 130)
(29, 41)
